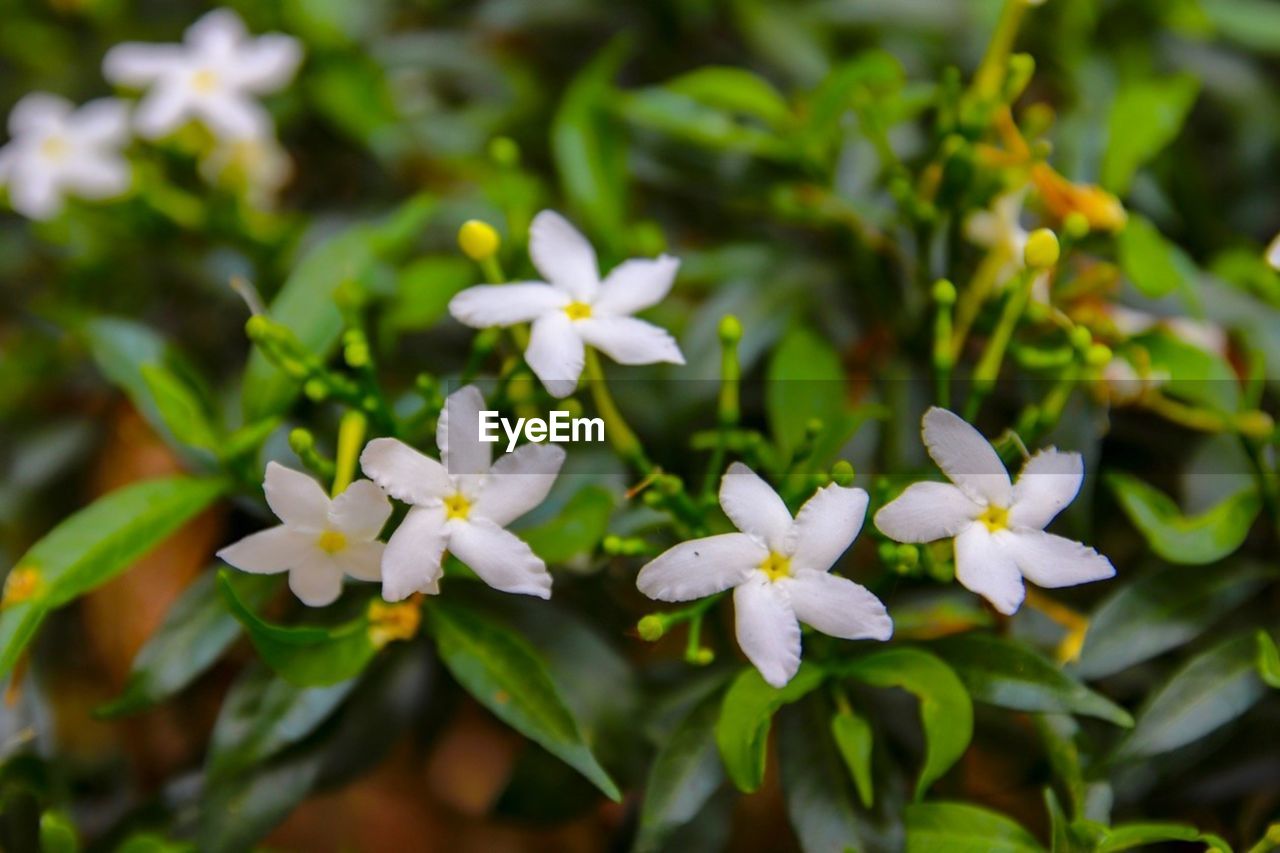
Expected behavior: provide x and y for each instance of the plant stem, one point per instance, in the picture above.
(350, 440)
(988, 369)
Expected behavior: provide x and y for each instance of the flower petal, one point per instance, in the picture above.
(94, 176)
(295, 498)
(39, 111)
(232, 116)
(138, 64)
(458, 434)
(411, 560)
(563, 256)
(1054, 561)
(984, 566)
(317, 582)
(360, 511)
(555, 353)
(701, 567)
(488, 305)
(755, 508)
(217, 33)
(269, 551)
(636, 284)
(1049, 481)
(164, 108)
(35, 193)
(826, 526)
(837, 606)
(403, 472)
(927, 511)
(518, 482)
(501, 559)
(966, 457)
(267, 63)
(767, 629)
(627, 340)
(104, 121)
(361, 560)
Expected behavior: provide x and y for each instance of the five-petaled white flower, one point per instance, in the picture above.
(778, 570)
(320, 539)
(462, 505)
(998, 526)
(213, 77)
(58, 150)
(576, 307)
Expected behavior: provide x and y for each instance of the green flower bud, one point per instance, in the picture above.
(651, 628)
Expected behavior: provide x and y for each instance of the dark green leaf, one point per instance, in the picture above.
(735, 90)
(960, 828)
(1196, 539)
(685, 773)
(578, 528)
(746, 714)
(689, 119)
(818, 795)
(1145, 117)
(854, 740)
(1268, 659)
(804, 382)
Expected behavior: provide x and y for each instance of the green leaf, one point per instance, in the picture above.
(180, 408)
(804, 382)
(1252, 23)
(57, 833)
(735, 90)
(1145, 117)
(1190, 373)
(305, 656)
(504, 674)
(423, 291)
(1178, 538)
(1161, 611)
(854, 740)
(946, 711)
(685, 773)
(578, 528)
(1128, 836)
(151, 842)
(691, 120)
(1148, 260)
(1268, 659)
(742, 732)
(816, 788)
(961, 828)
(1013, 675)
(196, 631)
(1209, 691)
(94, 545)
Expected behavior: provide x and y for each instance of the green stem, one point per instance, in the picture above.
(624, 441)
(988, 369)
(995, 63)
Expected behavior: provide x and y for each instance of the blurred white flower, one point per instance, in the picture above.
(998, 526)
(462, 505)
(320, 539)
(574, 307)
(212, 77)
(256, 167)
(57, 150)
(778, 569)
(999, 230)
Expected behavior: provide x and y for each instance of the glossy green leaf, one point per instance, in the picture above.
(854, 739)
(946, 711)
(196, 631)
(1178, 538)
(815, 784)
(504, 674)
(577, 530)
(57, 833)
(1131, 835)
(180, 408)
(685, 773)
(94, 545)
(1268, 659)
(735, 90)
(746, 715)
(804, 382)
(961, 828)
(1148, 260)
(1209, 691)
(1145, 117)
(1011, 674)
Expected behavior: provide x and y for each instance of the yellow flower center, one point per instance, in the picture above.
(389, 622)
(21, 585)
(331, 541)
(54, 148)
(204, 81)
(995, 518)
(776, 566)
(456, 506)
(578, 310)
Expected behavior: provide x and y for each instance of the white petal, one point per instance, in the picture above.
(1049, 481)
(927, 511)
(217, 33)
(488, 305)
(458, 434)
(403, 472)
(1053, 561)
(411, 560)
(636, 284)
(627, 340)
(97, 177)
(984, 229)
(163, 109)
(317, 582)
(232, 116)
(767, 629)
(518, 482)
(501, 559)
(37, 112)
(837, 606)
(267, 63)
(104, 121)
(361, 560)
(1273, 253)
(295, 498)
(701, 567)
(275, 549)
(555, 353)
(34, 193)
(755, 508)
(137, 64)
(988, 569)
(563, 255)
(966, 457)
(361, 511)
(826, 526)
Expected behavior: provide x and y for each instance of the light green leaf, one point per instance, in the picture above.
(690, 120)
(746, 715)
(423, 291)
(804, 382)
(1145, 117)
(503, 673)
(1191, 373)
(57, 833)
(180, 408)
(1128, 836)
(1178, 538)
(961, 828)
(1268, 659)
(854, 740)
(735, 90)
(685, 773)
(578, 528)
(1252, 23)
(1148, 260)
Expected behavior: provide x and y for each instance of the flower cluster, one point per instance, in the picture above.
(213, 78)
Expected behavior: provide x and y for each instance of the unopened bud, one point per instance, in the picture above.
(1042, 249)
(478, 240)
(651, 628)
(730, 330)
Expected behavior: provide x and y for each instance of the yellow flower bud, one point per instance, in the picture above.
(1042, 249)
(478, 240)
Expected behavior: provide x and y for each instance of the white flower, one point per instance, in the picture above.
(213, 77)
(462, 505)
(999, 230)
(257, 166)
(320, 540)
(576, 307)
(778, 570)
(998, 526)
(58, 150)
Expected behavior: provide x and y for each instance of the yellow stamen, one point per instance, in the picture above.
(331, 541)
(456, 506)
(776, 566)
(54, 148)
(578, 310)
(388, 622)
(21, 585)
(995, 518)
(204, 81)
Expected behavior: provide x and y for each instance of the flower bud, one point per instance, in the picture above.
(1042, 249)
(1098, 355)
(478, 240)
(651, 628)
(730, 330)
(842, 473)
(944, 292)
